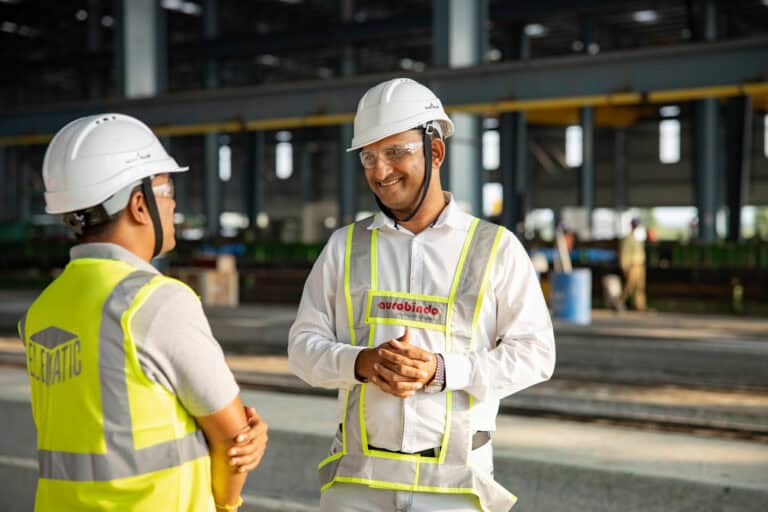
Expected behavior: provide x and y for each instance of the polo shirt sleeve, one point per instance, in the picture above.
(177, 350)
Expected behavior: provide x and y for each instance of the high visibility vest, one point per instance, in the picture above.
(108, 437)
(456, 317)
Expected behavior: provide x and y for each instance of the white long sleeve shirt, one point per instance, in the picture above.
(513, 313)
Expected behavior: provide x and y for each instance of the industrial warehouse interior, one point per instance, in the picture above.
(624, 144)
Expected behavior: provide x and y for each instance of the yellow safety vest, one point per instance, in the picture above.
(108, 437)
(455, 316)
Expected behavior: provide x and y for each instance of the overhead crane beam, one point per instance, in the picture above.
(678, 73)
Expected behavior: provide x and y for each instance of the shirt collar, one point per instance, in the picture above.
(109, 251)
(452, 216)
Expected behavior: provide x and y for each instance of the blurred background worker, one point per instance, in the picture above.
(422, 317)
(124, 370)
(632, 261)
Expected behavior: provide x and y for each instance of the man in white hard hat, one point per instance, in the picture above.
(423, 317)
(134, 405)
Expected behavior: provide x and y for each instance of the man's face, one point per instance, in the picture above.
(397, 172)
(162, 185)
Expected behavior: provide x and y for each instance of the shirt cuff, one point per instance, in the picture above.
(457, 371)
(347, 359)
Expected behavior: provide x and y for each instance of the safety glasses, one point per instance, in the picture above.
(391, 154)
(164, 189)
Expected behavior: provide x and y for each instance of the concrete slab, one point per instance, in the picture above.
(736, 410)
(551, 465)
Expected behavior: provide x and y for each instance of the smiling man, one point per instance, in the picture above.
(423, 317)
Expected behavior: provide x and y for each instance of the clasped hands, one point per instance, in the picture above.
(397, 367)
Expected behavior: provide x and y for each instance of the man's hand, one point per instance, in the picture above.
(397, 367)
(250, 444)
(401, 359)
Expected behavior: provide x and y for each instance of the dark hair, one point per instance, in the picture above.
(94, 224)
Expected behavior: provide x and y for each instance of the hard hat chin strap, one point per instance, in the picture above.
(149, 197)
(428, 134)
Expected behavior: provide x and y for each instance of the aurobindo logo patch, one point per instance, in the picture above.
(415, 309)
(427, 309)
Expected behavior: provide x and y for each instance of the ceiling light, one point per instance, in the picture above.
(577, 46)
(181, 6)
(646, 16)
(9, 1)
(494, 54)
(191, 8)
(669, 111)
(268, 60)
(81, 15)
(535, 30)
(8, 26)
(107, 21)
(593, 48)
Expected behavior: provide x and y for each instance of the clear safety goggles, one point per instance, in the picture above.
(391, 154)
(166, 189)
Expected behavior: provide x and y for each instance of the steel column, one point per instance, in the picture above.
(252, 177)
(348, 164)
(213, 187)
(513, 133)
(514, 168)
(138, 48)
(460, 39)
(706, 144)
(620, 199)
(5, 191)
(587, 171)
(738, 147)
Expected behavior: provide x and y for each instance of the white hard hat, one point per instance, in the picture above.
(93, 158)
(396, 106)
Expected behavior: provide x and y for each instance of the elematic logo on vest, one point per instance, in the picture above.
(53, 356)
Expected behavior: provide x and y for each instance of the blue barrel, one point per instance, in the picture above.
(572, 296)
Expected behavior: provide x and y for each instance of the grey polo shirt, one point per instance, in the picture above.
(175, 345)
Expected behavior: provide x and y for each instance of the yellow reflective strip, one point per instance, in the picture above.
(363, 429)
(382, 484)
(344, 425)
(374, 282)
(408, 457)
(456, 279)
(368, 305)
(347, 294)
(484, 282)
(416, 476)
(447, 433)
(374, 259)
(416, 296)
(409, 323)
(330, 459)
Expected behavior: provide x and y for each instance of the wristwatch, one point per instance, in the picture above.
(437, 384)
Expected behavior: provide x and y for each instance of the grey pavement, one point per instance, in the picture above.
(551, 465)
(735, 413)
(630, 348)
